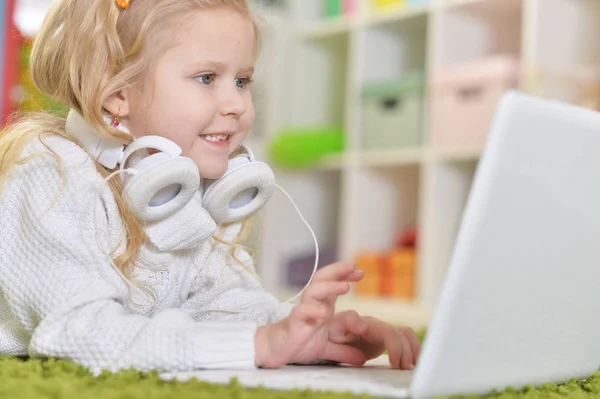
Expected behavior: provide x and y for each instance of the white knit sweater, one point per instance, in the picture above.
(61, 297)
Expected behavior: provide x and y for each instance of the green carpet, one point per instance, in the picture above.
(63, 379)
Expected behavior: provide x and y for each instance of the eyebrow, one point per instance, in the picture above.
(218, 66)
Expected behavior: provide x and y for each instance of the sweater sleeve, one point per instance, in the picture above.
(61, 290)
(224, 285)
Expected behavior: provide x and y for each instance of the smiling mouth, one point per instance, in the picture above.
(216, 138)
(220, 139)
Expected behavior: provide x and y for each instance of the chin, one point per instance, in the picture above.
(211, 172)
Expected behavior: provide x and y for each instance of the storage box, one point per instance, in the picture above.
(393, 113)
(464, 99)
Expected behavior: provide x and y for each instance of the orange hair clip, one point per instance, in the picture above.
(123, 3)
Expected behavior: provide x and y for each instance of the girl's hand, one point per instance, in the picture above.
(372, 337)
(303, 336)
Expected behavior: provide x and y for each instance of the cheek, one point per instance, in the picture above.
(245, 125)
(180, 113)
(247, 120)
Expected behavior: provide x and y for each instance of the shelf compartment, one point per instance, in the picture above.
(391, 158)
(392, 114)
(317, 196)
(447, 194)
(396, 14)
(559, 49)
(387, 203)
(471, 30)
(316, 86)
(565, 63)
(325, 29)
(385, 209)
(393, 49)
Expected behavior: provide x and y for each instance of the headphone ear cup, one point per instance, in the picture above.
(239, 193)
(160, 174)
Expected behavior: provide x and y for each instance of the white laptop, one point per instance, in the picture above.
(521, 299)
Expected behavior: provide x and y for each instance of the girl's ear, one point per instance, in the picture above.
(118, 104)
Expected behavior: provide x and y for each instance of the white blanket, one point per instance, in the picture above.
(376, 378)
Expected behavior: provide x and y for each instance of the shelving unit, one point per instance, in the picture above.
(312, 72)
(359, 200)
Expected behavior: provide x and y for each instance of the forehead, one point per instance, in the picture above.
(221, 34)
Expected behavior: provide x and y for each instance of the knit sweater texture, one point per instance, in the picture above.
(189, 307)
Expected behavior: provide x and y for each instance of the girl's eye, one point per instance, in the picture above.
(242, 83)
(207, 78)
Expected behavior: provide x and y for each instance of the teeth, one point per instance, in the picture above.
(216, 137)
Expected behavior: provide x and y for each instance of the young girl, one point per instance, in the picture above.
(92, 272)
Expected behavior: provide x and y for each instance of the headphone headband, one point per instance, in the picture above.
(106, 152)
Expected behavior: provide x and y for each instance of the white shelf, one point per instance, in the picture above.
(393, 311)
(324, 29)
(332, 162)
(457, 154)
(399, 14)
(391, 158)
(396, 312)
(360, 200)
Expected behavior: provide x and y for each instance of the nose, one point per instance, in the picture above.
(233, 103)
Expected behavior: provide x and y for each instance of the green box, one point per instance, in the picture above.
(392, 113)
(333, 8)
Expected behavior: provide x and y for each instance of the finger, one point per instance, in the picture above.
(394, 349)
(335, 271)
(413, 340)
(323, 290)
(403, 356)
(345, 354)
(392, 340)
(346, 327)
(356, 325)
(357, 275)
(310, 313)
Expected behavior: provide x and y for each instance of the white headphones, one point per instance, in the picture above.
(163, 182)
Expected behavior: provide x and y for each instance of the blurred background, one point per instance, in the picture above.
(373, 115)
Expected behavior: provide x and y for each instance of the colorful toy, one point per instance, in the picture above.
(407, 239)
(31, 99)
(9, 42)
(391, 273)
(333, 8)
(370, 285)
(386, 4)
(350, 6)
(300, 148)
(337, 8)
(398, 274)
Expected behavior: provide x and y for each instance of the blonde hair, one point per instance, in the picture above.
(85, 52)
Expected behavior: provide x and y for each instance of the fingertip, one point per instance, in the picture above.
(345, 287)
(407, 365)
(394, 361)
(364, 327)
(357, 275)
